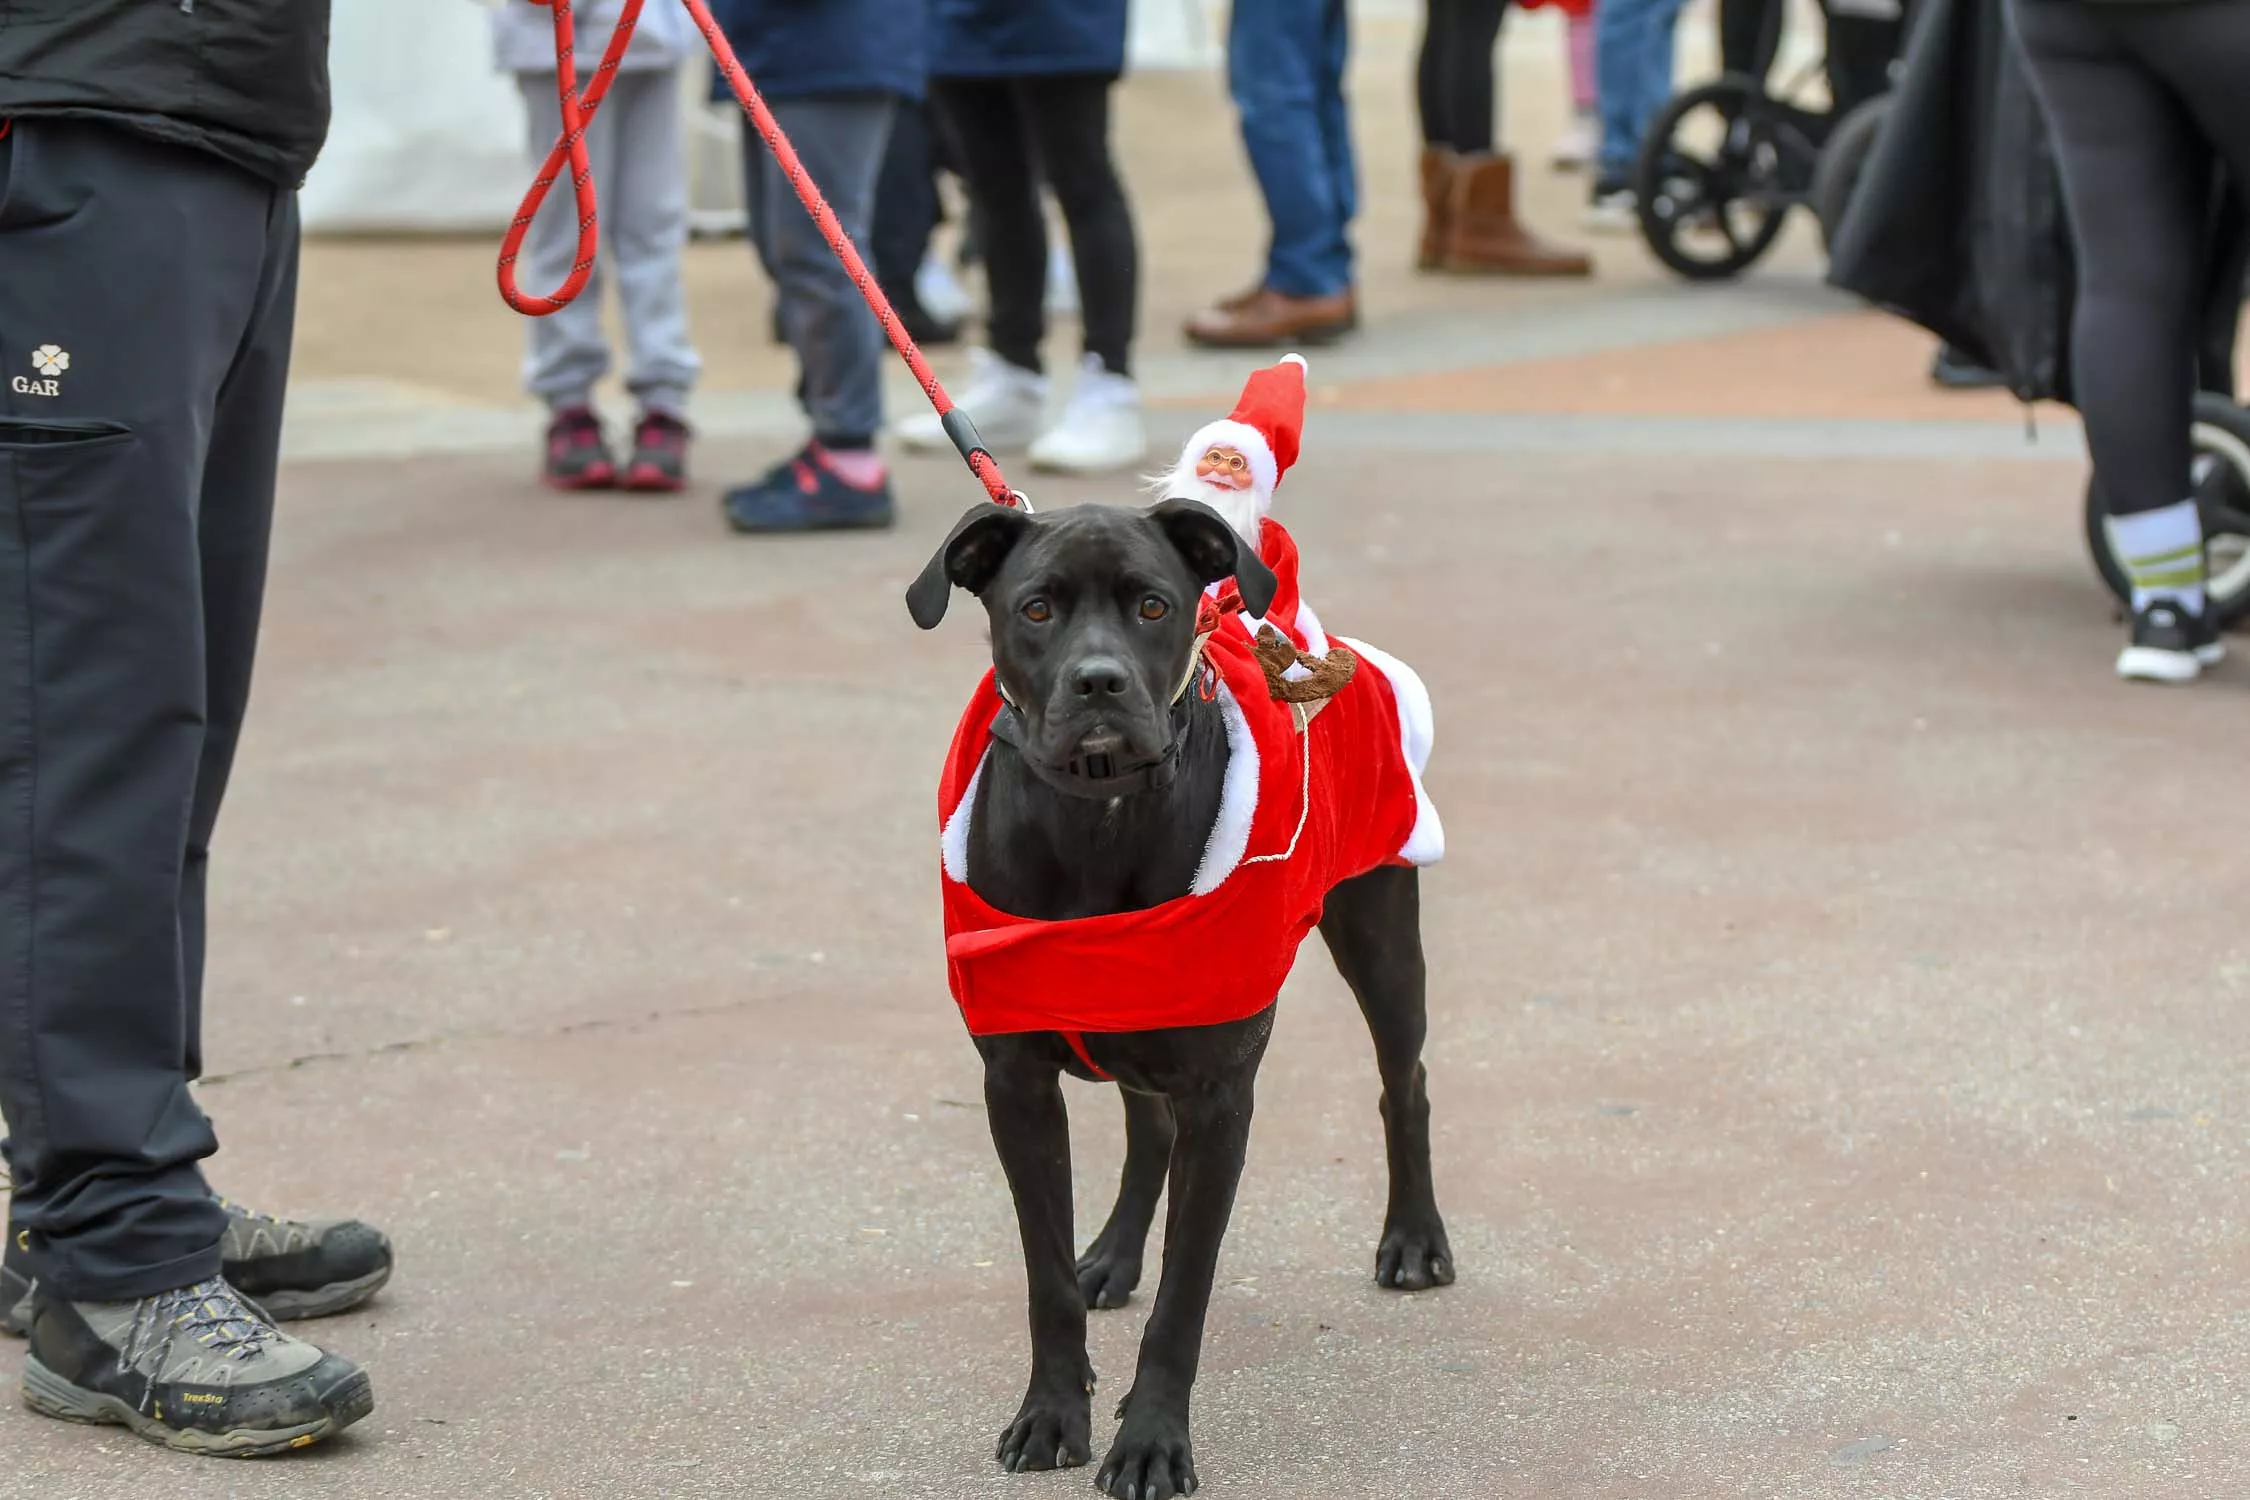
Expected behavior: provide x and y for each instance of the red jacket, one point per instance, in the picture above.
(1302, 810)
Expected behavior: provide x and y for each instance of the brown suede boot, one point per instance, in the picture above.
(1486, 235)
(1438, 170)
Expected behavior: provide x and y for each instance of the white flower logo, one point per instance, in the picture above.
(50, 359)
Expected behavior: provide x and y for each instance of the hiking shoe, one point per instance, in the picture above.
(578, 456)
(292, 1269)
(805, 493)
(659, 463)
(197, 1369)
(1006, 402)
(2171, 642)
(1100, 430)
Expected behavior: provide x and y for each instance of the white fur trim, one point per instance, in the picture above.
(954, 842)
(1308, 625)
(1243, 510)
(1417, 726)
(1238, 801)
(1294, 359)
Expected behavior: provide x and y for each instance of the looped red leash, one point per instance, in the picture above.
(578, 112)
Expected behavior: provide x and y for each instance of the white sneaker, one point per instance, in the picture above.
(1580, 139)
(940, 292)
(1613, 210)
(1007, 404)
(1100, 430)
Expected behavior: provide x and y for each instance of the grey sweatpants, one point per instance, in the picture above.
(145, 318)
(839, 344)
(640, 185)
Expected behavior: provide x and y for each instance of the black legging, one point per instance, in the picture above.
(2143, 101)
(1859, 52)
(1453, 87)
(1011, 132)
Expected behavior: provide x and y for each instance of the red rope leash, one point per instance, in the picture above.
(578, 112)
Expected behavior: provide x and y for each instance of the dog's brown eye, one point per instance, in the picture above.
(1037, 612)
(1153, 608)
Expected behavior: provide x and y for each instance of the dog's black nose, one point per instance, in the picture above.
(1100, 677)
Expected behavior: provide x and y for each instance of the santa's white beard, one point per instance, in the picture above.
(1239, 508)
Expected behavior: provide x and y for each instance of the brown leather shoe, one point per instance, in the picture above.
(1268, 318)
(1438, 168)
(1488, 238)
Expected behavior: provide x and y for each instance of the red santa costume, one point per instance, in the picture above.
(1315, 793)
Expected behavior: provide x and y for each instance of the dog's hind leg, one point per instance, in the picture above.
(1024, 1103)
(1111, 1266)
(1373, 928)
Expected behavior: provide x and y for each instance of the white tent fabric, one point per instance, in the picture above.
(428, 138)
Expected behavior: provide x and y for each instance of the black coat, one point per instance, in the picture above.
(243, 79)
(1958, 222)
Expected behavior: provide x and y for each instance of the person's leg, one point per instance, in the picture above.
(838, 480)
(1750, 35)
(1336, 134)
(988, 125)
(1278, 71)
(907, 211)
(103, 719)
(645, 212)
(1068, 118)
(2202, 51)
(1006, 395)
(1469, 72)
(1433, 69)
(566, 352)
(2136, 176)
(1100, 430)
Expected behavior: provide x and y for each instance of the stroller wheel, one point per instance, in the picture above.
(1711, 183)
(2221, 476)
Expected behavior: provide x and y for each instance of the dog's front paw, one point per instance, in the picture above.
(1151, 1459)
(1414, 1255)
(1050, 1432)
(1107, 1275)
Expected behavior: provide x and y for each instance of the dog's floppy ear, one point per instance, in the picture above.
(980, 543)
(1215, 550)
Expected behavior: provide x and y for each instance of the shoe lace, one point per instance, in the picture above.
(215, 1316)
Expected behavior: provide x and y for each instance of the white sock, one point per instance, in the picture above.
(2162, 552)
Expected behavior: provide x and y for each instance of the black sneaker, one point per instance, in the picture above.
(805, 494)
(2170, 643)
(578, 456)
(196, 1369)
(290, 1268)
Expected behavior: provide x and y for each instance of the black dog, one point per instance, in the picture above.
(1096, 799)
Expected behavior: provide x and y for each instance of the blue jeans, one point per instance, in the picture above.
(838, 342)
(1632, 75)
(1285, 68)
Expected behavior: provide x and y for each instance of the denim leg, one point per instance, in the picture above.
(838, 342)
(1632, 75)
(1286, 82)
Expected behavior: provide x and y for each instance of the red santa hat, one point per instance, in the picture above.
(1234, 465)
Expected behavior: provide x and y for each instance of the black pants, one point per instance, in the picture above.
(1011, 132)
(1453, 87)
(1860, 48)
(146, 307)
(2143, 101)
(907, 206)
